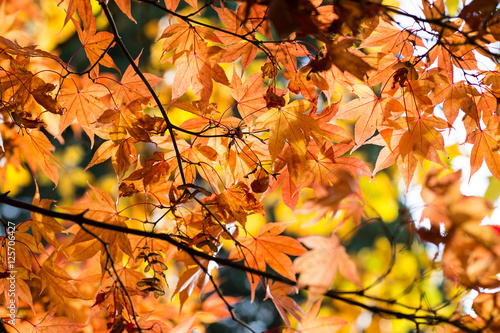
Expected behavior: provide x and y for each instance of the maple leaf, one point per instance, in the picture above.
(197, 70)
(327, 198)
(182, 37)
(26, 246)
(371, 110)
(249, 95)
(153, 325)
(268, 247)
(49, 323)
(125, 155)
(255, 14)
(311, 323)
(55, 277)
(236, 202)
(287, 53)
(304, 82)
(242, 160)
(289, 123)
(40, 94)
(83, 104)
(155, 170)
(84, 11)
(96, 44)
(485, 149)
(39, 153)
(340, 56)
(407, 165)
(196, 62)
(23, 291)
(390, 151)
(103, 208)
(235, 46)
(103, 153)
(392, 39)
(446, 205)
(287, 19)
(324, 166)
(423, 137)
(318, 267)
(201, 157)
(193, 277)
(124, 120)
(289, 191)
(455, 96)
(42, 225)
(277, 292)
(124, 6)
(131, 87)
(20, 86)
(185, 326)
(468, 262)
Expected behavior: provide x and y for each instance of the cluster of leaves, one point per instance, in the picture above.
(187, 189)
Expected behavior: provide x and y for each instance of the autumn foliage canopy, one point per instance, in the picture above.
(282, 140)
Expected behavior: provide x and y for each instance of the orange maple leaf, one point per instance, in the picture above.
(42, 225)
(124, 6)
(278, 293)
(55, 277)
(95, 44)
(485, 148)
(392, 39)
(371, 110)
(132, 88)
(102, 208)
(311, 323)
(235, 46)
(289, 123)
(38, 152)
(236, 203)
(305, 82)
(456, 96)
(346, 59)
(50, 323)
(268, 248)
(325, 167)
(196, 61)
(197, 69)
(423, 137)
(82, 104)
(84, 11)
(249, 95)
(318, 267)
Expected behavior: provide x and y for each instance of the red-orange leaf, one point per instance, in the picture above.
(39, 153)
(485, 148)
(290, 124)
(132, 87)
(95, 44)
(84, 11)
(268, 248)
(197, 69)
(236, 203)
(56, 278)
(318, 267)
(371, 110)
(278, 293)
(124, 6)
(82, 104)
(311, 323)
